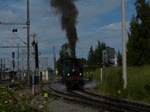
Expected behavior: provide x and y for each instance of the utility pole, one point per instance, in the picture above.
(13, 64)
(28, 42)
(124, 45)
(4, 63)
(18, 57)
(54, 56)
(1, 68)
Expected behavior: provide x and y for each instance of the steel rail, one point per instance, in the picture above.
(128, 104)
(81, 100)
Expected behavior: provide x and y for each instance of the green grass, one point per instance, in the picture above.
(137, 78)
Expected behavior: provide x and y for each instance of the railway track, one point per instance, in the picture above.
(141, 107)
(99, 101)
(70, 97)
(122, 104)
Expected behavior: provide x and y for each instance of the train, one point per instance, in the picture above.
(72, 73)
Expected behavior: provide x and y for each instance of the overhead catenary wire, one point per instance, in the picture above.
(18, 37)
(7, 6)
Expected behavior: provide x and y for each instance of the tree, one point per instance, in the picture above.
(138, 44)
(83, 61)
(95, 55)
(91, 56)
(98, 52)
(119, 57)
(133, 48)
(64, 53)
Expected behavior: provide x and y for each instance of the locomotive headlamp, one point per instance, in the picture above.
(80, 74)
(68, 74)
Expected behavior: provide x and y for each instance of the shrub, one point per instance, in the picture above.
(9, 102)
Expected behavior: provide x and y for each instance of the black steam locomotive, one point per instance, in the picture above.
(72, 73)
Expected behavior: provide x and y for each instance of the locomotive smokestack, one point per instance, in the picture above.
(69, 14)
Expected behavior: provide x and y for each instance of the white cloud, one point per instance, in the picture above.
(113, 26)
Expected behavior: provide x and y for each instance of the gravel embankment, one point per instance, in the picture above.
(62, 106)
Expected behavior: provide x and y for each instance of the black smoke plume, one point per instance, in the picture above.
(69, 15)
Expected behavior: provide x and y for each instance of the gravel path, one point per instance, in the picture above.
(62, 106)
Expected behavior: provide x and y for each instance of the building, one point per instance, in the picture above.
(109, 56)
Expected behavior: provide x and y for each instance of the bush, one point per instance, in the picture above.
(9, 102)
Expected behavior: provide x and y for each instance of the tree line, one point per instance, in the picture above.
(138, 45)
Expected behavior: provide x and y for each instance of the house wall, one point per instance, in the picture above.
(45, 75)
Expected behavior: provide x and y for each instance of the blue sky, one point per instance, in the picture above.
(97, 20)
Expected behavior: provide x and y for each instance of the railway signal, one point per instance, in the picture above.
(35, 49)
(13, 55)
(36, 58)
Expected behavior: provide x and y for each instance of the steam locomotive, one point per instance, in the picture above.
(72, 73)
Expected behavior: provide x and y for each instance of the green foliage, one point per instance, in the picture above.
(91, 57)
(12, 102)
(98, 52)
(138, 44)
(64, 53)
(83, 61)
(119, 58)
(95, 55)
(112, 81)
(94, 60)
(137, 79)
(88, 70)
